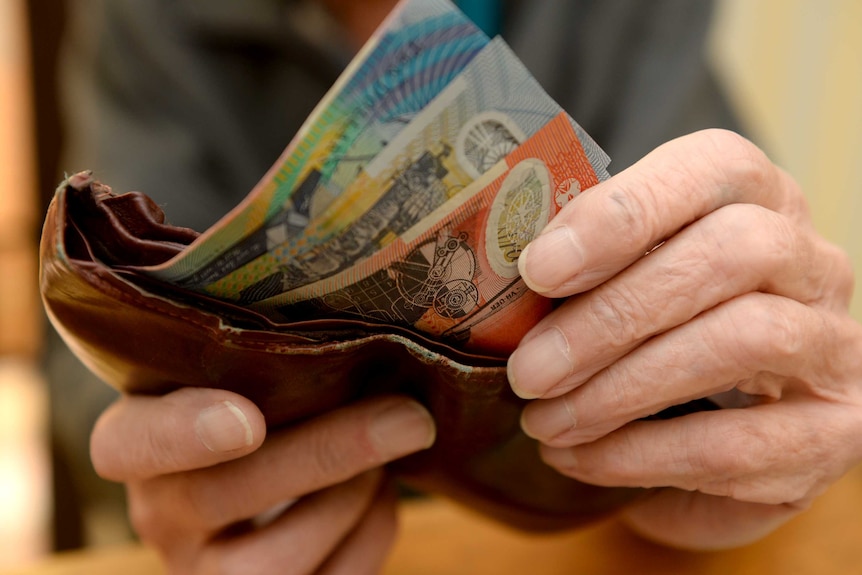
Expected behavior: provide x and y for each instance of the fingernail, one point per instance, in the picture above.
(223, 427)
(546, 420)
(561, 458)
(402, 428)
(539, 364)
(551, 259)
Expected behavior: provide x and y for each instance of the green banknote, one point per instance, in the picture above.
(415, 53)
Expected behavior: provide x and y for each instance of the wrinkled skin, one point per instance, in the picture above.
(695, 273)
(216, 495)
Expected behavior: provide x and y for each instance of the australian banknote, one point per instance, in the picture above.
(454, 275)
(415, 53)
(479, 118)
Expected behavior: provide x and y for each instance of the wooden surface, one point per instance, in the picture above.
(439, 538)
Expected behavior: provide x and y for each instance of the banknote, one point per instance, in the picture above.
(481, 116)
(454, 275)
(414, 54)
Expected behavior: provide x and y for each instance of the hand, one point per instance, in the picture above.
(695, 273)
(213, 496)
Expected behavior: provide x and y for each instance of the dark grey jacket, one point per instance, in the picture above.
(191, 101)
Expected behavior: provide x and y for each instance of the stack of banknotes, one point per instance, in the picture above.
(408, 194)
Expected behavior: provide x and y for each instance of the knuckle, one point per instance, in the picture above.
(733, 145)
(759, 238)
(837, 285)
(721, 465)
(616, 313)
(746, 172)
(332, 460)
(143, 519)
(770, 331)
(145, 515)
(632, 216)
(756, 330)
(776, 254)
(784, 337)
(743, 165)
(200, 507)
(800, 486)
(844, 272)
(194, 497)
(764, 464)
(765, 230)
(620, 392)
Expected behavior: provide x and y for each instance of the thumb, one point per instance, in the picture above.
(139, 437)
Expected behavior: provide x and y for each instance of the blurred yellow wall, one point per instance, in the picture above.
(794, 70)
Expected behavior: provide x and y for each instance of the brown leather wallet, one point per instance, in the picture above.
(143, 336)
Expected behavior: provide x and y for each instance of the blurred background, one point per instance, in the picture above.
(793, 70)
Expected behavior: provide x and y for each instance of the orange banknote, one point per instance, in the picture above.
(454, 276)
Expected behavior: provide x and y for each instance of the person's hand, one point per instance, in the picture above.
(694, 273)
(212, 496)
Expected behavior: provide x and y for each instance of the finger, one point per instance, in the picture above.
(775, 453)
(613, 224)
(732, 251)
(767, 346)
(142, 436)
(712, 523)
(292, 463)
(365, 550)
(302, 538)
